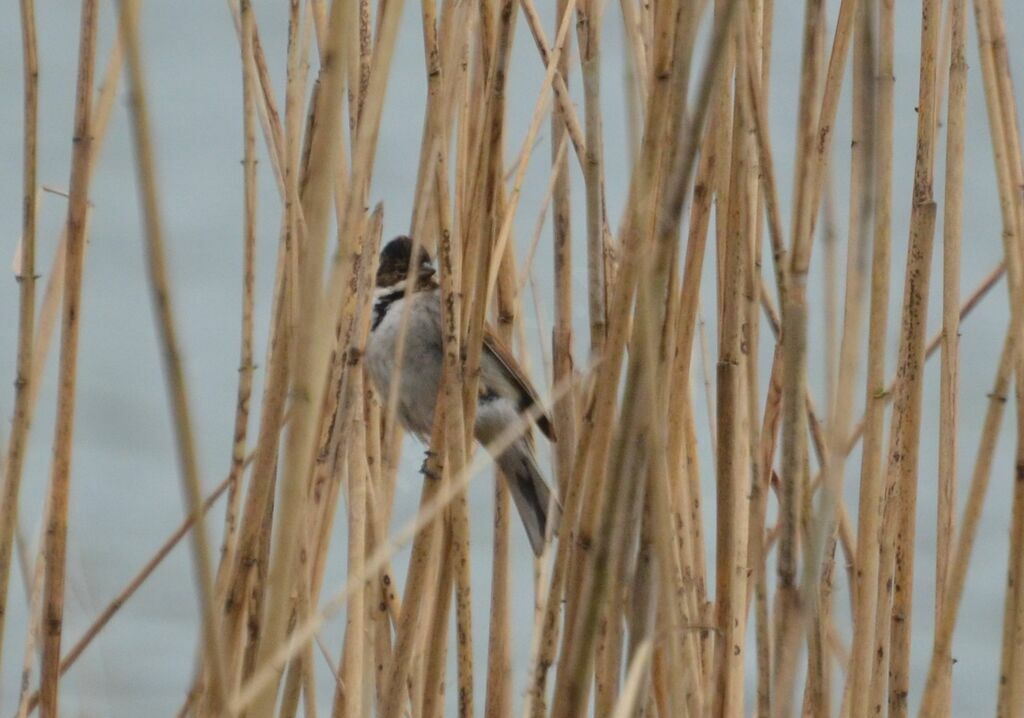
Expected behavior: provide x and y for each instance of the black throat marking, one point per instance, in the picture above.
(383, 304)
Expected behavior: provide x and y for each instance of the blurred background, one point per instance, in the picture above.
(126, 496)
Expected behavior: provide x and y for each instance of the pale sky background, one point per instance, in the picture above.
(125, 486)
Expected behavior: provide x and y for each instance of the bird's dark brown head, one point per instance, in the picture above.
(396, 263)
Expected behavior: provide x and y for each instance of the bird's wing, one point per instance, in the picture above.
(515, 378)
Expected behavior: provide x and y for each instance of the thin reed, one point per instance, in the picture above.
(749, 440)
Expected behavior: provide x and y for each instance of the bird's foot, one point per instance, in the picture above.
(432, 468)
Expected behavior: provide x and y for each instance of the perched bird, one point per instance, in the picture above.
(504, 392)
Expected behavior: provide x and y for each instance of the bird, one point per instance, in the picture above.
(504, 392)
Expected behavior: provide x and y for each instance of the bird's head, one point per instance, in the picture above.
(397, 264)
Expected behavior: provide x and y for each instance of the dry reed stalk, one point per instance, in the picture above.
(896, 537)
(572, 683)
(826, 118)
(458, 405)
(639, 72)
(47, 315)
(511, 204)
(441, 494)
(408, 633)
(340, 458)
(466, 309)
(458, 428)
(58, 494)
(858, 684)
(589, 19)
(641, 599)
(699, 219)
(50, 301)
(830, 299)
(628, 460)
(608, 650)
(949, 393)
(680, 457)
(1007, 160)
(588, 30)
(995, 60)
(310, 338)
(433, 65)
(564, 413)
(631, 698)
(160, 285)
(470, 82)
(658, 550)
(358, 449)
(944, 58)
(1010, 697)
(733, 465)
(375, 563)
(359, 71)
(904, 446)
(499, 662)
(757, 553)
(437, 641)
(720, 177)
(481, 206)
(429, 540)
(935, 693)
(1010, 688)
(381, 621)
(686, 503)
(830, 94)
(243, 590)
(534, 703)
(426, 545)
(14, 457)
(969, 304)
(266, 105)
(32, 637)
(498, 700)
(757, 64)
(246, 365)
(116, 603)
(566, 110)
(350, 703)
(758, 547)
(714, 82)
(819, 563)
(292, 691)
(794, 378)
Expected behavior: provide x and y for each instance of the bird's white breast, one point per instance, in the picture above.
(421, 358)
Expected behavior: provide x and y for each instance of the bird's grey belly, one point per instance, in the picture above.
(421, 362)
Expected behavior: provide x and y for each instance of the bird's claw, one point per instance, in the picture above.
(430, 469)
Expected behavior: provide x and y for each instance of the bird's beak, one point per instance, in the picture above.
(427, 272)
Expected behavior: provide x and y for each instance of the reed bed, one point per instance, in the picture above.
(733, 540)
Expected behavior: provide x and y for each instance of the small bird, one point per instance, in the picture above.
(504, 392)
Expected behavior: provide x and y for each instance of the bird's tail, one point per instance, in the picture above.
(537, 507)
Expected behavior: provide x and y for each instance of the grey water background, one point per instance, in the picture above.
(126, 495)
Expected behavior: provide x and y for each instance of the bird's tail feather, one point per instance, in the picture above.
(537, 507)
